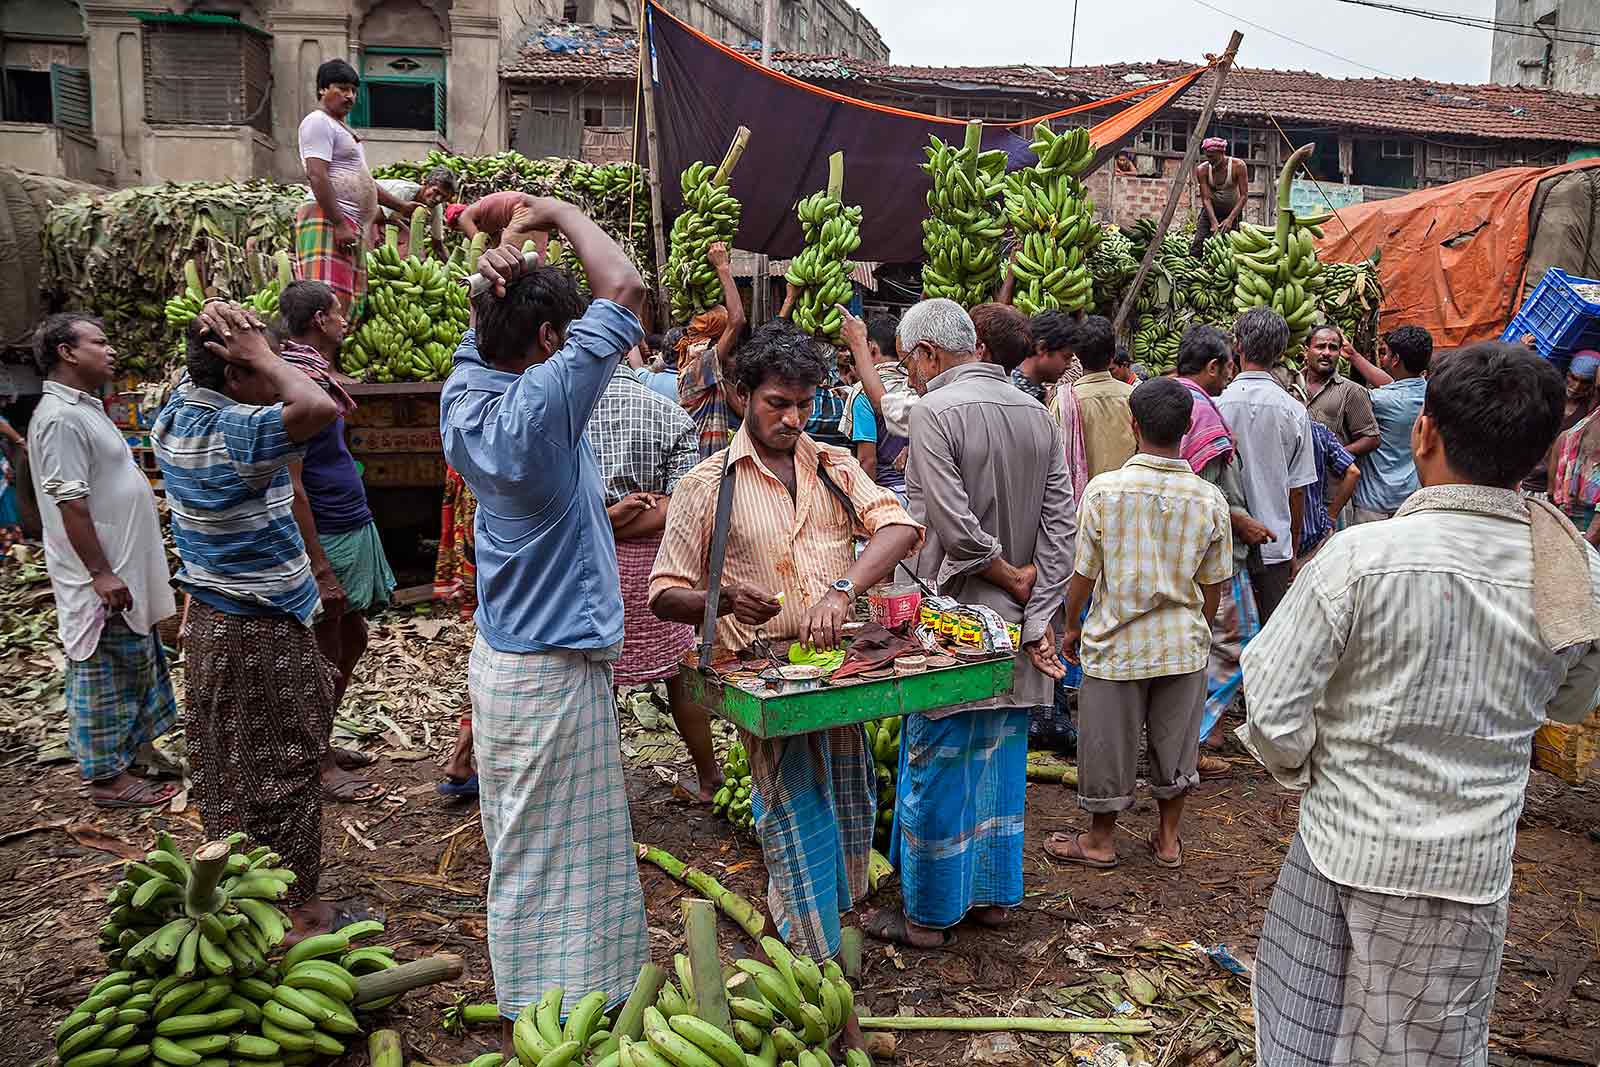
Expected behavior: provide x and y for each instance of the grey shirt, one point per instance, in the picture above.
(987, 476)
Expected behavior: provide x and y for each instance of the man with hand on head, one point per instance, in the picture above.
(791, 572)
(565, 907)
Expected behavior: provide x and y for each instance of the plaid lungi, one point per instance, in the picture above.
(1345, 976)
(258, 711)
(317, 258)
(815, 806)
(118, 699)
(651, 647)
(1237, 621)
(957, 838)
(358, 561)
(565, 905)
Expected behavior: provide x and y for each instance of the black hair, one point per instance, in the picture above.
(443, 177)
(1263, 336)
(669, 350)
(1412, 346)
(1122, 357)
(55, 331)
(880, 331)
(1162, 407)
(336, 72)
(508, 325)
(1052, 331)
(1005, 332)
(652, 341)
(1497, 407)
(1320, 328)
(300, 302)
(1094, 342)
(1200, 345)
(780, 349)
(207, 370)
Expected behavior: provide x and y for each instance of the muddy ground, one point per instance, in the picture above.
(421, 859)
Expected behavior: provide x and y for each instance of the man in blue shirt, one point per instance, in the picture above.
(1388, 473)
(259, 694)
(564, 903)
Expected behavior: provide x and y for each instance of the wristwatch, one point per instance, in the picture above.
(845, 586)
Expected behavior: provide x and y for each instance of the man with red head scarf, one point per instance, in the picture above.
(705, 362)
(1224, 188)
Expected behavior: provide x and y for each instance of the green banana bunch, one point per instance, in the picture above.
(961, 237)
(414, 315)
(883, 740)
(309, 1010)
(182, 309)
(1112, 266)
(832, 231)
(732, 801)
(711, 215)
(1054, 221)
(1279, 269)
(542, 1041)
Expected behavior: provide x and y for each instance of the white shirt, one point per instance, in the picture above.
(1272, 434)
(1400, 684)
(326, 138)
(77, 453)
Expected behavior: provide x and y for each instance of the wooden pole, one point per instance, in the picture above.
(653, 149)
(1178, 180)
(761, 273)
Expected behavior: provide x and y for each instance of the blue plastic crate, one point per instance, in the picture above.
(1561, 321)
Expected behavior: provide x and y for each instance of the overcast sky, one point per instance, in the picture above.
(981, 32)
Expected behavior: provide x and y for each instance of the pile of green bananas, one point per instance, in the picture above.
(733, 799)
(414, 317)
(309, 1012)
(181, 310)
(832, 231)
(785, 1012)
(1053, 218)
(542, 1041)
(1112, 265)
(711, 214)
(883, 740)
(1279, 269)
(1350, 298)
(961, 236)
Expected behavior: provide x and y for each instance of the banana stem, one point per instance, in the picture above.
(630, 1023)
(1285, 210)
(205, 871)
(730, 159)
(384, 1049)
(974, 145)
(836, 176)
(1058, 773)
(700, 935)
(430, 970)
(734, 906)
(985, 1025)
(285, 269)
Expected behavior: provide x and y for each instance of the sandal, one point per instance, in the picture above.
(1065, 847)
(351, 790)
(890, 925)
(350, 759)
(139, 794)
(467, 790)
(1211, 768)
(1170, 865)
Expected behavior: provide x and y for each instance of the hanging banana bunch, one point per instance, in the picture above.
(961, 236)
(1279, 269)
(1054, 221)
(712, 215)
(832, 232)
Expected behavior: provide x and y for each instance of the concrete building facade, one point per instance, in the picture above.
(1554, 44)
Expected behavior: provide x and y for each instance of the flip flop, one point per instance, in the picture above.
(889, 925)
(156, 766)
(350, 759)
(1065, 848)
(459, 790)
(1170, 865)
(353, 791)
(140, 794)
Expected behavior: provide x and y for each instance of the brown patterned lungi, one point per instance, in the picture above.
(651, 647)
(258, 709)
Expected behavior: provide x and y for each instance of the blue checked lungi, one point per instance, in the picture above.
(1233, 626)
(957, 839)
(815, 805)
(118, 699)
(565, 906)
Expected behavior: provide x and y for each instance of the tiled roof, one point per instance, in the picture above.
(1424, 108)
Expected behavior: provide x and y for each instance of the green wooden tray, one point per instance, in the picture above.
(850, 701)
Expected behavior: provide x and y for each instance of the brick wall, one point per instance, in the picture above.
(1124, 199)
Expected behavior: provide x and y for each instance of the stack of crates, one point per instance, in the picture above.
(1560, 319)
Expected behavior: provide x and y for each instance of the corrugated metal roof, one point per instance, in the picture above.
(1413, 106)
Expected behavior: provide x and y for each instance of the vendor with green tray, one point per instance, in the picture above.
(790, 532)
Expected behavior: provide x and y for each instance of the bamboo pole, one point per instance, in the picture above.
(653, 150)
(1179, 179)
(761, 273)
(700, 934)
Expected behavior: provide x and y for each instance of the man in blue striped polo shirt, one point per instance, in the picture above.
(260, 695)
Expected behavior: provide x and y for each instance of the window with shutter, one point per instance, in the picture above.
(204, 68)
(70, 101)
(401, 89)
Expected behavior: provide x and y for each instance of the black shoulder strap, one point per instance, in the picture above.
(855, 519)
(719, 552)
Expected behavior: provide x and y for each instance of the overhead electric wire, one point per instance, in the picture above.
(1292, 40)
(1478, 22)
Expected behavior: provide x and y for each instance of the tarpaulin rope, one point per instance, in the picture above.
(1304, 165)
(1166, 89)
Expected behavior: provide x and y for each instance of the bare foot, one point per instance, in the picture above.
(992, 916)
(704, 793)
(309, 919)
(890, 924)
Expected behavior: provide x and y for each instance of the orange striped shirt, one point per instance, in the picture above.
(799, 546)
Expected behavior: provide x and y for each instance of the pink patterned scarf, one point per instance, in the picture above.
(1209, 437)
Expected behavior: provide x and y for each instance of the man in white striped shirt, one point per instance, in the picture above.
(1400, 685)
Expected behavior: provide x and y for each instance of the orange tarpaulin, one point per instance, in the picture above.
(1452, 257)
